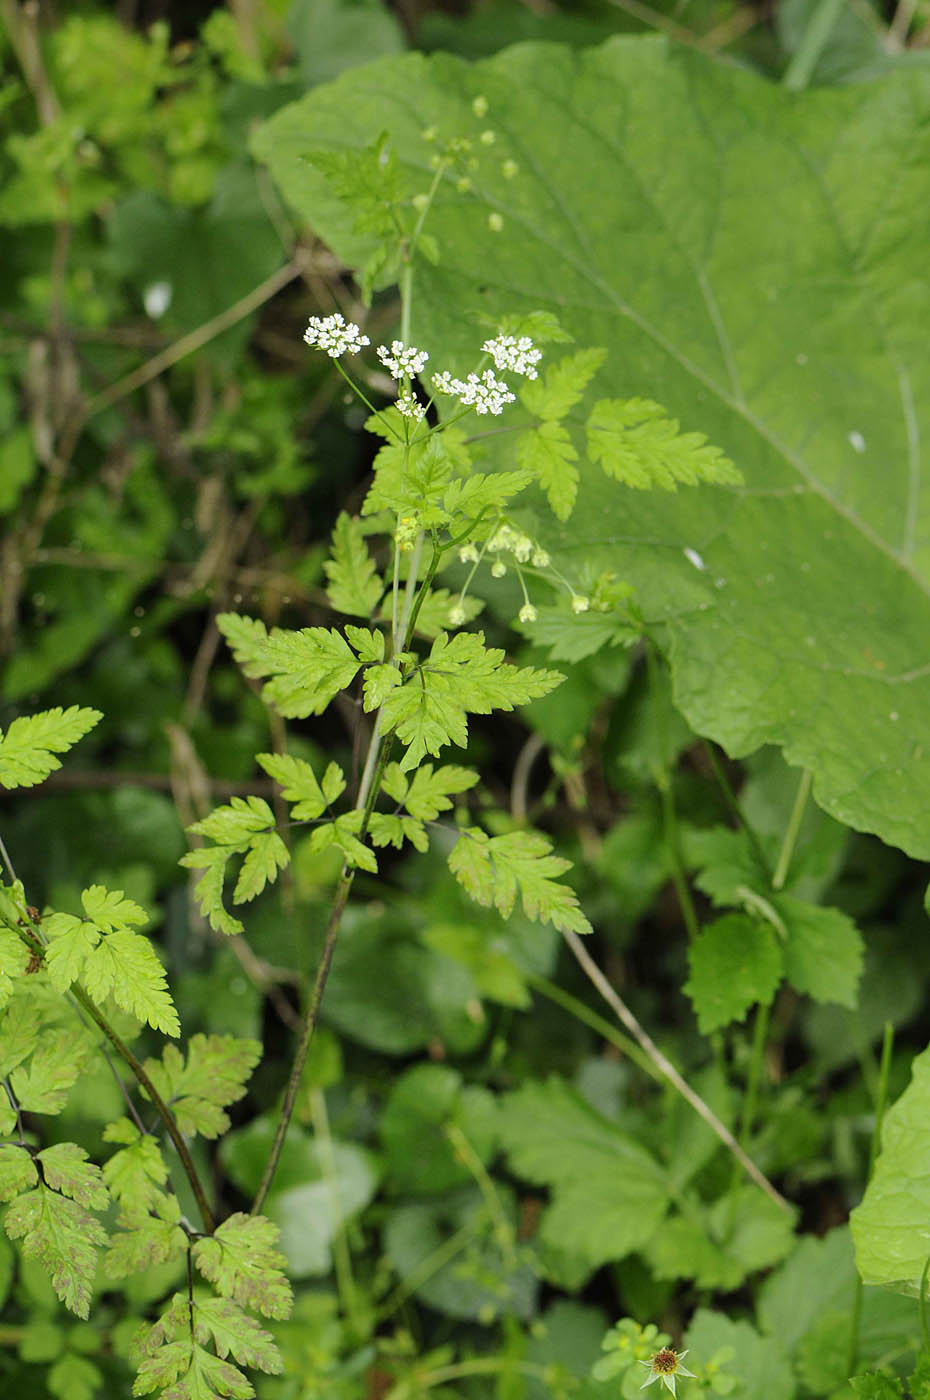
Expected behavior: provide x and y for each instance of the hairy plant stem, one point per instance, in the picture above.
(791, 834)
(310, 1018)
(666, 1068)
(34, 941)
(375, 764)
(880, 1101)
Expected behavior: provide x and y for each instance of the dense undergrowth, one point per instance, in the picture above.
(628, 965)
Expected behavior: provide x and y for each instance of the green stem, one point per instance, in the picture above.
(503, 1230)
(732, 801)
(382, 745)
(158, 1103)
(310, 1018)
(421, 598)
(673, 847)
(760, 1033)
(443, 1254)
(791, 834)
(820, 26)
(664, 1065)
(597, 1023)
(881, 1099)
(32, 939)
(663, 780)
(342, 1259)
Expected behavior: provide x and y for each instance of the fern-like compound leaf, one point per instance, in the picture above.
(388, 829)
(63, 1237)
(109, 958)
(28, 748)
(493, 870)
(556, 392)
(299, 784)
(41, 1085)
(136, 1172)
(17, 1170)
(243, 827)
(353, 585)
(638, 444)
(547, 451)
(65, 1168)
(428, 791)
(213, 1076)
(242, 1263)
(460, 675)
(14, 960)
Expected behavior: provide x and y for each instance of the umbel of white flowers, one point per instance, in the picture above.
(484, 392)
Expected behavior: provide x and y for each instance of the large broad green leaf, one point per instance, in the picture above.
(753, 259)
(889, 1228)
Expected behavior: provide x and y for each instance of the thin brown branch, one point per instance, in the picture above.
(196, 339)
(22, 27)
(620, 1009)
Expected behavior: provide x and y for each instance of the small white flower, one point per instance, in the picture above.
(580, 603)
(540, 559)
(527, 613)
(522, 548)
(486, 395)
(498, 569)
(410, 406)
(508, 352)
(445, 384)
(468, 554)
(503, 538)
(456, 615)
(402, 360)
(335, 336)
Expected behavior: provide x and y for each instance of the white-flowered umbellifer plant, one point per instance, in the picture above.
(398, 643)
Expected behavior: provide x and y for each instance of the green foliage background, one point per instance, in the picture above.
(482, 1176)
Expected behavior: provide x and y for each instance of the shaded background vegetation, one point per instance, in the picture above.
(169, 450)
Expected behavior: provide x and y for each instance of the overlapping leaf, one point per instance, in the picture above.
(242, 1263)
(200, 1087)
(29, 747)
(495, 869)
(750, 274)
(104, 953)
(460, 676)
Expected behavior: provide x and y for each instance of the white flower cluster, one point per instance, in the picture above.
(520, 356)
(335, 336)
(523, 549)
(401, 361)
(409, 405)
(486, 394)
